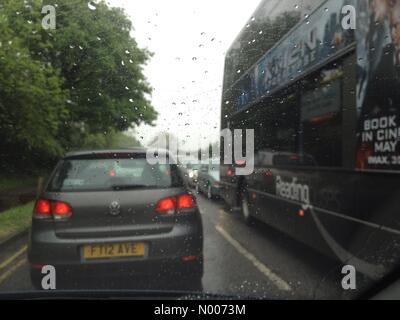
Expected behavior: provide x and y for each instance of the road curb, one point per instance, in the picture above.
(13, 237)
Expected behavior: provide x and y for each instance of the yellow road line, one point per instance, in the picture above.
(13, 257)
(10, 271)
(274, 278)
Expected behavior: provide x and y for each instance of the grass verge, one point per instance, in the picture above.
(15, 219)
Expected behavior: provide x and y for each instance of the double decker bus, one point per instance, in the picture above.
(323, 99)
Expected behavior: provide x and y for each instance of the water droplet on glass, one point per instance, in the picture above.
(91, 5)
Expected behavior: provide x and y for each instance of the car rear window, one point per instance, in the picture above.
(86, 174)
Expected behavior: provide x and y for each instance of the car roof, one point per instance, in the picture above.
(137, 150)
(102, 151)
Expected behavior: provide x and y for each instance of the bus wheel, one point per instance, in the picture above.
(248, 219)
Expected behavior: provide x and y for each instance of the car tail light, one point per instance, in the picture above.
(167, 205)
(172, 205)
(61, 210)
(186, 201)
(229, 172)
(49, 209)
(42, 208)
(268, 173)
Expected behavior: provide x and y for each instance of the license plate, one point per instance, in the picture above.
(113, 250)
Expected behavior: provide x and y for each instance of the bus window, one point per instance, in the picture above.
(278, 124)
(322, 120)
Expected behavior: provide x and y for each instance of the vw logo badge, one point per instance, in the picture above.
(115, 208)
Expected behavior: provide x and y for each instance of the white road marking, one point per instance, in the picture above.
(274, 278)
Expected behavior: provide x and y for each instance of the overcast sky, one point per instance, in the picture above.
(189, 40)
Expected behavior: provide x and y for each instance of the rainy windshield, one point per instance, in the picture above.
(81, 175)
(249, 149)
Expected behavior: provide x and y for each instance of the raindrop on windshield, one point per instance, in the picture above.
(91, 5)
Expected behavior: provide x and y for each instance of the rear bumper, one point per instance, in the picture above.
(165, 252)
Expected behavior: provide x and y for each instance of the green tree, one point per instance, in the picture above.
(102, 66)
(32, 100)
(62, 88)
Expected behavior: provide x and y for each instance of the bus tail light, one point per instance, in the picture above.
(301, 213)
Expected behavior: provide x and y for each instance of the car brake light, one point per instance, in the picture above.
(61, 210)
(171, 205)
(229, 173)
(47, 209)
(186, 201)
(42, 208)
(166, 205)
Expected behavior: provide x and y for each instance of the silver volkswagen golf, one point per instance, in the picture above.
(111, 214)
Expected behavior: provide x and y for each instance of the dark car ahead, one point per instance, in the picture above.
(208, 181)
(111, 213)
